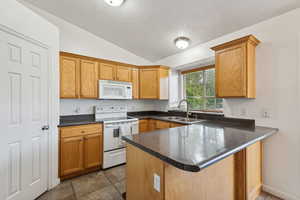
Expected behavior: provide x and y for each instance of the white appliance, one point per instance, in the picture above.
(114, 90)
(115, 125)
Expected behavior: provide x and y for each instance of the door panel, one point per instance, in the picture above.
(123, 74)
(88, 79)
(107, 71)
(69, 77)
(231, 72)
(71, 155)
(24, 107)
(93, 150)
(149, 84)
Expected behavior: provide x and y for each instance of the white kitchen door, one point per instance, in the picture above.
(24, 111)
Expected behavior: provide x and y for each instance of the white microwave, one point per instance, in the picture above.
(114, 90)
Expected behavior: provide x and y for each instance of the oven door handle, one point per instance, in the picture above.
(112, 126)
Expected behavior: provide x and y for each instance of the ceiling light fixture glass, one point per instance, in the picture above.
(114, 3)
(182, 42)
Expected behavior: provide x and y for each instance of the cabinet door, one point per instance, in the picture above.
(135, 83)
(123, 74)
(71, 155)
(162, 124)
(231, 72)
(149, 88)
(152, 124)
(88, 79)
(143, 126)
(172, 125)
(69, 77)
(107, 71)
(93, 150)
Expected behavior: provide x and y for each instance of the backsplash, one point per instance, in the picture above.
(86, 106)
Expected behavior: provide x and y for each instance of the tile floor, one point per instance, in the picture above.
(101, 185)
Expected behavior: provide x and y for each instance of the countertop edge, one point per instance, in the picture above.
(191, 168)
(235, 150)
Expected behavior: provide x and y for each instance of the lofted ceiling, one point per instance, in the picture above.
(147, 28)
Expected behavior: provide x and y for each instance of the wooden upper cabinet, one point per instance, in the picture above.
(107, 71)
(149, 84)
(135, 83)
(69, 77)
(88, 79)
(235, 68)
(154, 82)
(123, 74)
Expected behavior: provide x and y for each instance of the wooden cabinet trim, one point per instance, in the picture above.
(100, 60)
(249, 38)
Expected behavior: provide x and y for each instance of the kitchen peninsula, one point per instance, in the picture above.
(209, 160)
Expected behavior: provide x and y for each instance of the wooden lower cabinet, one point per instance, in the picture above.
(146, 125)
(81, 149)
(143, 125)
(237, 177)
(93, 150)
(152, 125)
(173, 125)
(162, 124)
(71, 155)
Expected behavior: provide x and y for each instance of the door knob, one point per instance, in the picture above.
(46, 127)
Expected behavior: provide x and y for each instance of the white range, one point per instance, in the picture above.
(116, 124)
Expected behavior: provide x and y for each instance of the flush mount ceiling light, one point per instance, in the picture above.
(182, 42)
(114, 3)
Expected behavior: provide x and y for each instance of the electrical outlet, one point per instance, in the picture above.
(266, 113)
(156, 182)
(243, 112)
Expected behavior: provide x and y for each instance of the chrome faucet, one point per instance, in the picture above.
(187, 107)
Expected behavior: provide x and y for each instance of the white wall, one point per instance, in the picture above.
(76, 40)
(24, 22)
(79, 41)
(86, 106)
(277, 93)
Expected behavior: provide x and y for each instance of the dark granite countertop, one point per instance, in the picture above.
(75, 120)
(195, 147)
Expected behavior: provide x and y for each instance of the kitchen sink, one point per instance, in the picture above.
(182, 119)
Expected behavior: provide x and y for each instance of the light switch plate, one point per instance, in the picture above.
(156, 182)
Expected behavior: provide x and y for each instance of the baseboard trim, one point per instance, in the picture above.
(279, 193)
(55, 182)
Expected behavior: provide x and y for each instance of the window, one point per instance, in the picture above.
(199, 90)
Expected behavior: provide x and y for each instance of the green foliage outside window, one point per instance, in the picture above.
(200, 90)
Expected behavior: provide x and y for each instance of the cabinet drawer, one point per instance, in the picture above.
(72, 131)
